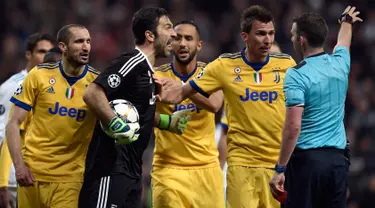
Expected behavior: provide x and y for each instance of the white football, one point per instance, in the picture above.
(126, 110)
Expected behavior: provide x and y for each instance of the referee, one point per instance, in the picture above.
(312, 160)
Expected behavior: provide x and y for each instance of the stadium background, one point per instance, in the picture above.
(109, 22)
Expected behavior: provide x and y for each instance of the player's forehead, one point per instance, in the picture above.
(185, 30)
(79, 33)
(164, 21)
(262, 26)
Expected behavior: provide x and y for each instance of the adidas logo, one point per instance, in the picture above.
(51, 90)
(237, 79)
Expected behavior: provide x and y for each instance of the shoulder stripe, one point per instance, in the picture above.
(48, 65)
(131, 63)
(231, 55)
(201, 64)
(91, 69)
(164, 67)
(280, 55)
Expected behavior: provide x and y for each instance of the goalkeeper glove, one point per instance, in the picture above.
(122, 132)
(175, 123)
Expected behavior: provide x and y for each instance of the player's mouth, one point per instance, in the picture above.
(264, 49)
(183, 53)
(84, 56)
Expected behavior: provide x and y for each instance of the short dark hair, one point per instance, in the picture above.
(313, 27)
(254, 12)
(188, 22)
(51, 55)
(34, 39)
(146, 19)
(64, 33)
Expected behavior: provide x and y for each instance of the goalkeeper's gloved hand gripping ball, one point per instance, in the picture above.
(122, 132)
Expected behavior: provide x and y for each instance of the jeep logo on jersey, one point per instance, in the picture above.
(114, 80)
(2, 109)
(74, 113)
(262, 96)
(192, 106)
(18, 90)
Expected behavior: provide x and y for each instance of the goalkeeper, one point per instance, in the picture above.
(113, 174)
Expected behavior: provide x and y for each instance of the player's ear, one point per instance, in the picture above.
(244, 36)
(302, 40)
(28, 55)
(62, 46)
(150, 37)
(200, 45)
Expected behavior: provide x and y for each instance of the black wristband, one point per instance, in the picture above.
(346, 18)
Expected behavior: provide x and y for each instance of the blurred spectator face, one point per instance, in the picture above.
(165, 35)
(275, 49)
(79, 46)
(259, 40)
(186, 44)
(37, 55)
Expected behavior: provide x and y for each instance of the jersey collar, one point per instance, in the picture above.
(149, 63)
(318, 54)
(183, 78)
(255, 66)
(72, 80)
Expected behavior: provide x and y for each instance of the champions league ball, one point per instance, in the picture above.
(126, 110)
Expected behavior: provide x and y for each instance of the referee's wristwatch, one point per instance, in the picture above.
(280, 169)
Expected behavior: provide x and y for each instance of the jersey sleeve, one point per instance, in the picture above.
(294, 89)
(26, 93)
(119, 73)
(208, 80)
(342, 55)
(5, 164)
(224, 122)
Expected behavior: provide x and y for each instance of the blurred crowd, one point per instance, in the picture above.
(109, 22)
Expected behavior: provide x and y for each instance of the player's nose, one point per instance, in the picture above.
(173, 33)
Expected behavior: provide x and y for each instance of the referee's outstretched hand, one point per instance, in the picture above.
(350, 15)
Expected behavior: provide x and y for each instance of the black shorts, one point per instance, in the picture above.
(317, 178)
(113, 191)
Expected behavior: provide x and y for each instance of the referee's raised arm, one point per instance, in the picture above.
(348, 17)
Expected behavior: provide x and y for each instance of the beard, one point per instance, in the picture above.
(188, 60)
(74, 60)
(160, 49)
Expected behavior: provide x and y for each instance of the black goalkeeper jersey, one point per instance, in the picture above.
(128, 77)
